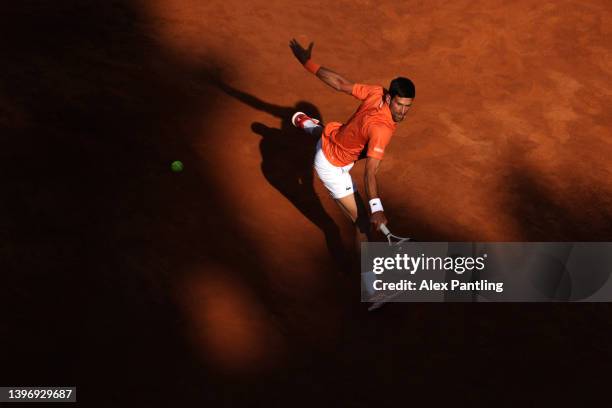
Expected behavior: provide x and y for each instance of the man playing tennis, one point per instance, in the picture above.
(366, 133)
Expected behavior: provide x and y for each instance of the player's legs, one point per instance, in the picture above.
(352, 205)
(340, 185)
(337, 180)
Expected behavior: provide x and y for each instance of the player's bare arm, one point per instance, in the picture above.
(329, 77)
(371, 168)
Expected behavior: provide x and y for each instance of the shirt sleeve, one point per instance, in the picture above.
(362, 91)
(380, 136)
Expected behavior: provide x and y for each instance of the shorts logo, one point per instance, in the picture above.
(348, 188)
(379, 150)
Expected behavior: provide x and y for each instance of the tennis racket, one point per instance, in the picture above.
(380, 299)
(393, 239)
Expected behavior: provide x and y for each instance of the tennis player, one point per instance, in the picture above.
(365, 134)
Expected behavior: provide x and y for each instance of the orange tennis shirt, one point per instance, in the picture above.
(371, 125)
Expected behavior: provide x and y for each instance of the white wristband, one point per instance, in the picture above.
(375, 205)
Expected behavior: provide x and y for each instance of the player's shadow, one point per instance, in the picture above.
(287, 155)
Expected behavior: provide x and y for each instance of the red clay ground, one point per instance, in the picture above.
(219, 284)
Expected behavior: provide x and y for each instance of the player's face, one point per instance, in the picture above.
(399, 107)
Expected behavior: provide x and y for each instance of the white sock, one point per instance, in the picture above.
(308, 124)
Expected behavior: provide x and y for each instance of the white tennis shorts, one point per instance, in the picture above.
(337, 180)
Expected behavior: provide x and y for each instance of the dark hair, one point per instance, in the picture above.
(402, 87)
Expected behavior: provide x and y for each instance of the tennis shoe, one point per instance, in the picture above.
(301, 120)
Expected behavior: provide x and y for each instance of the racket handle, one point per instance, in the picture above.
(384, 230)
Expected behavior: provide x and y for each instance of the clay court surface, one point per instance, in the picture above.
(220, 285)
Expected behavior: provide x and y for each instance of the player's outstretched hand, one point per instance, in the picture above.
(377, 219)
(301, 53)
